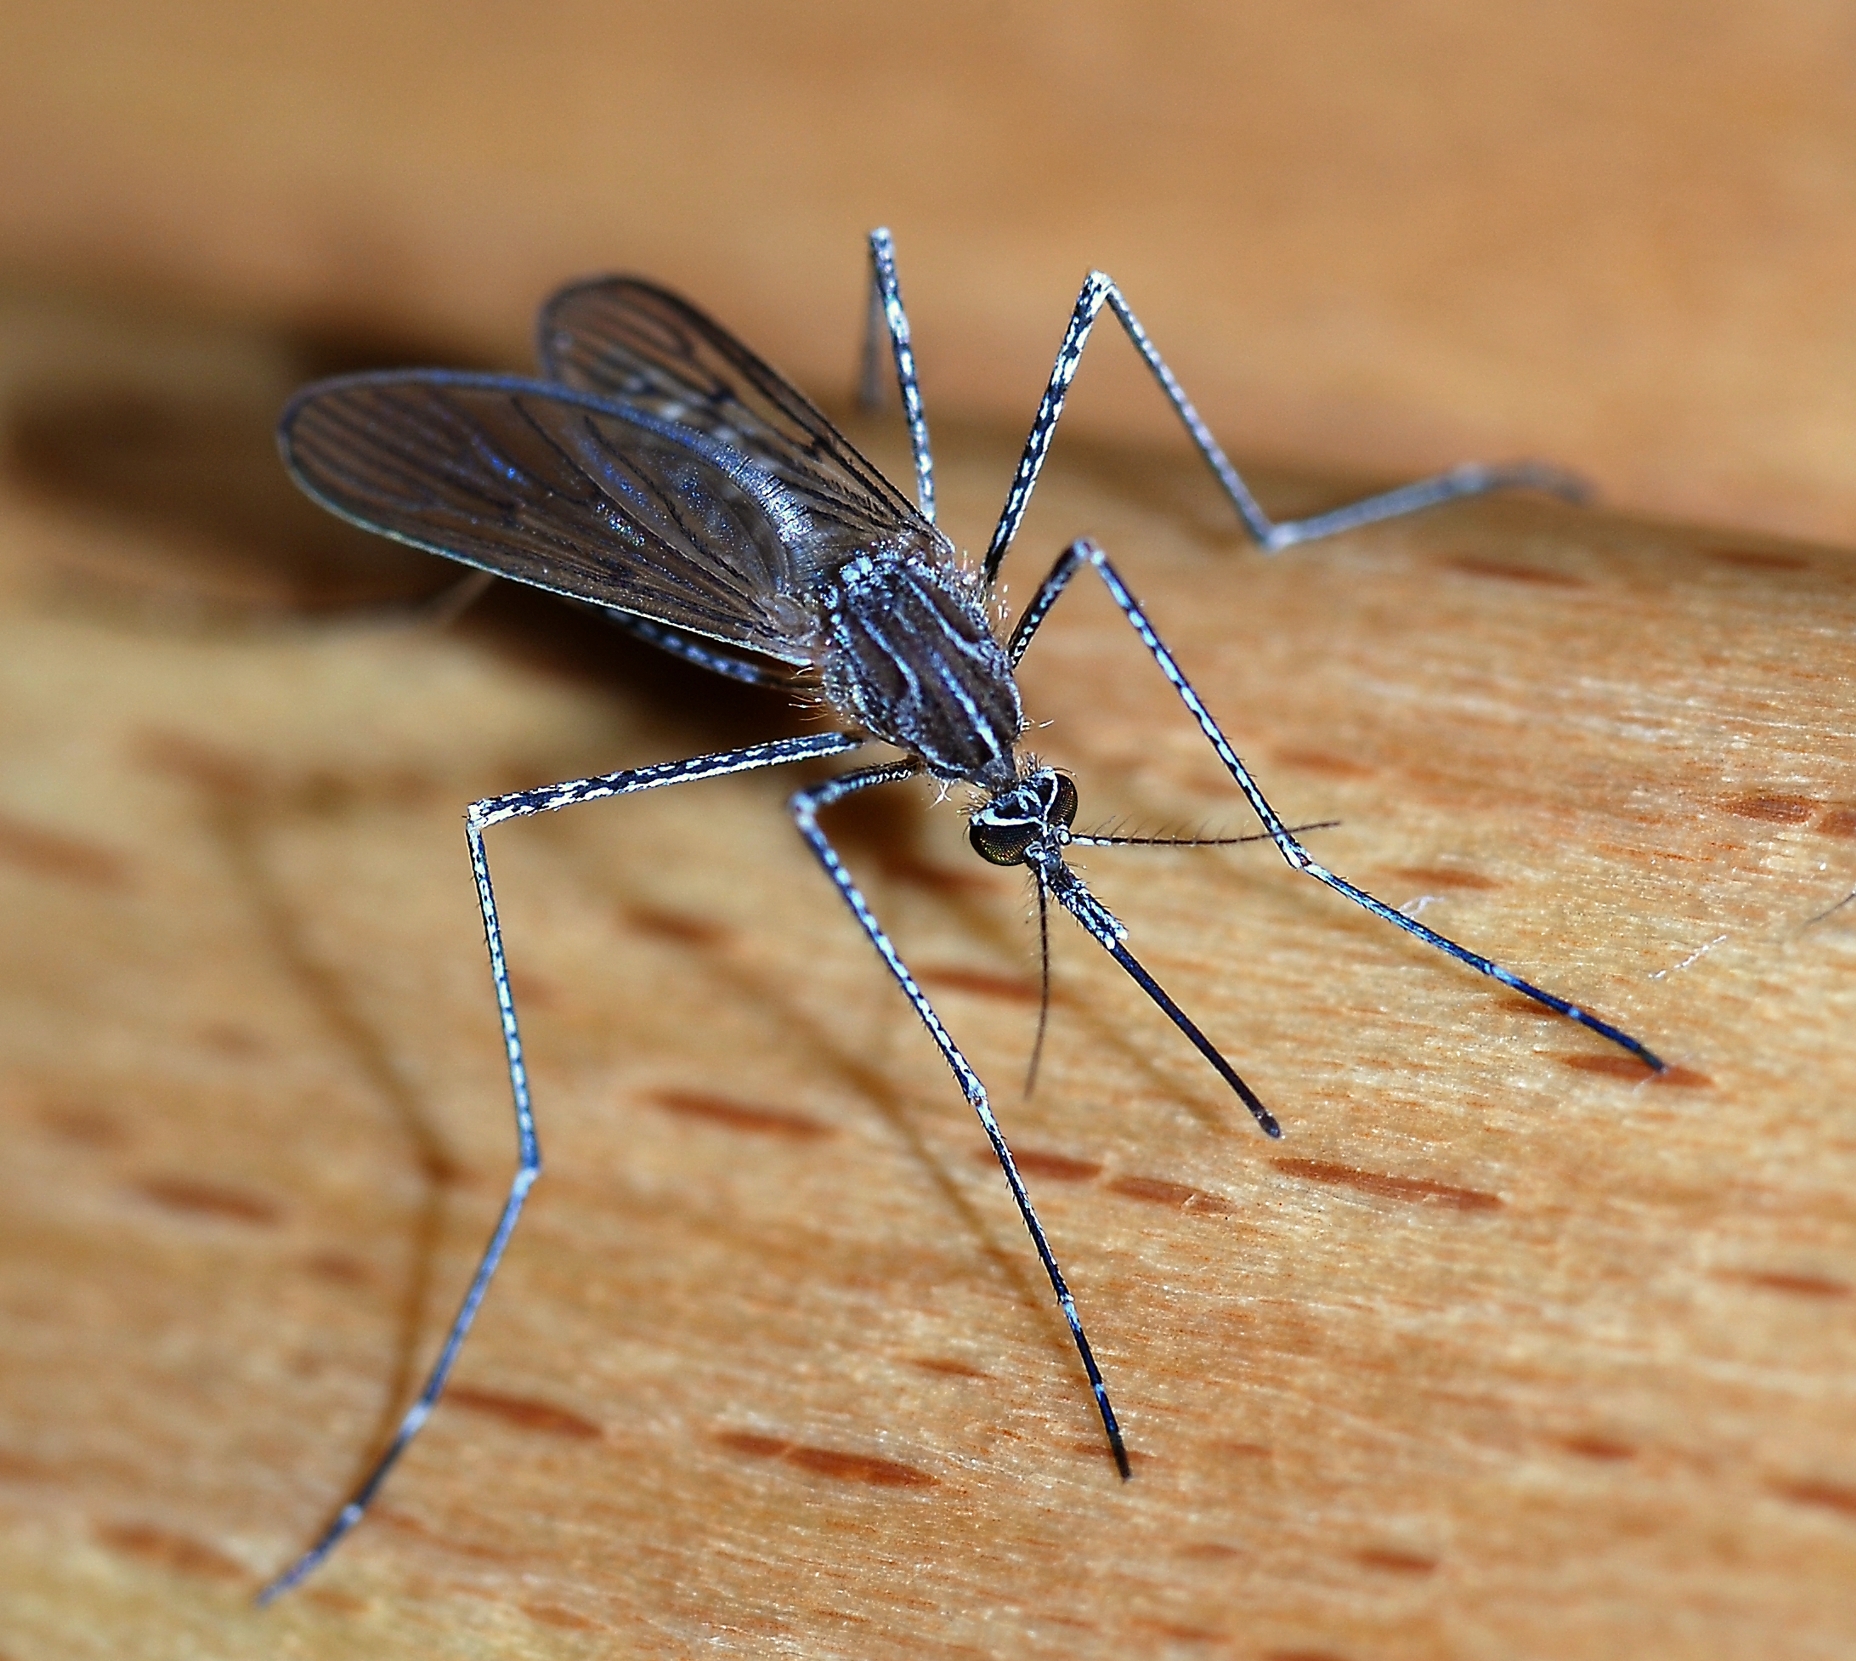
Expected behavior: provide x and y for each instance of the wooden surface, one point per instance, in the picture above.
(1503, 1351)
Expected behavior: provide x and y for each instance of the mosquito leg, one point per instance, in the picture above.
(477, 819)
(805, 809)
(1099, 290)
(886, 311)
(1086, 553)
(705, 654)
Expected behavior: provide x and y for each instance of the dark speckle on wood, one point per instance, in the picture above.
(734, 1115)
(1412, 1190)
(828, 1462)
(524, 1413)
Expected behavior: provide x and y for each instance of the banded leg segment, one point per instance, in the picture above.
(478, 818)
(805, 809)
(702, 652)
(1099, 290)
(887, 312)
(1086, 553)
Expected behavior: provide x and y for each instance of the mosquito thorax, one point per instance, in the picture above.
(1033, 814)
(911, 658)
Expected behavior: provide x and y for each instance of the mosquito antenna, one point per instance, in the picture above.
(1037, 1046)
(1191, 841)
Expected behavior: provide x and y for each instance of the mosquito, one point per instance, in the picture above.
(662, 471)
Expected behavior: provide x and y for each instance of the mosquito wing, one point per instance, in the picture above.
(571, 493)
(639, 345)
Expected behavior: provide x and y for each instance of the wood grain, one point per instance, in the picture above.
(1505, 1350)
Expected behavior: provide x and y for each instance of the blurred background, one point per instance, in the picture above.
(1370, 239)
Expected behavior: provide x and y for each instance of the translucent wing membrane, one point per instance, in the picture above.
(636, 345)
(570, 493)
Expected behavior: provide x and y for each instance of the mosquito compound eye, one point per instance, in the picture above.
(1002, 843)
(1063, 808)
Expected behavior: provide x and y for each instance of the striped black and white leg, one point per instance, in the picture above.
(478, 818)
(1099, 290)
(888, 315)
(806, 806)
(702, 652)
(1084, 553)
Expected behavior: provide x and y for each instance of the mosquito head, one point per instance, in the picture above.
(1030, 816)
